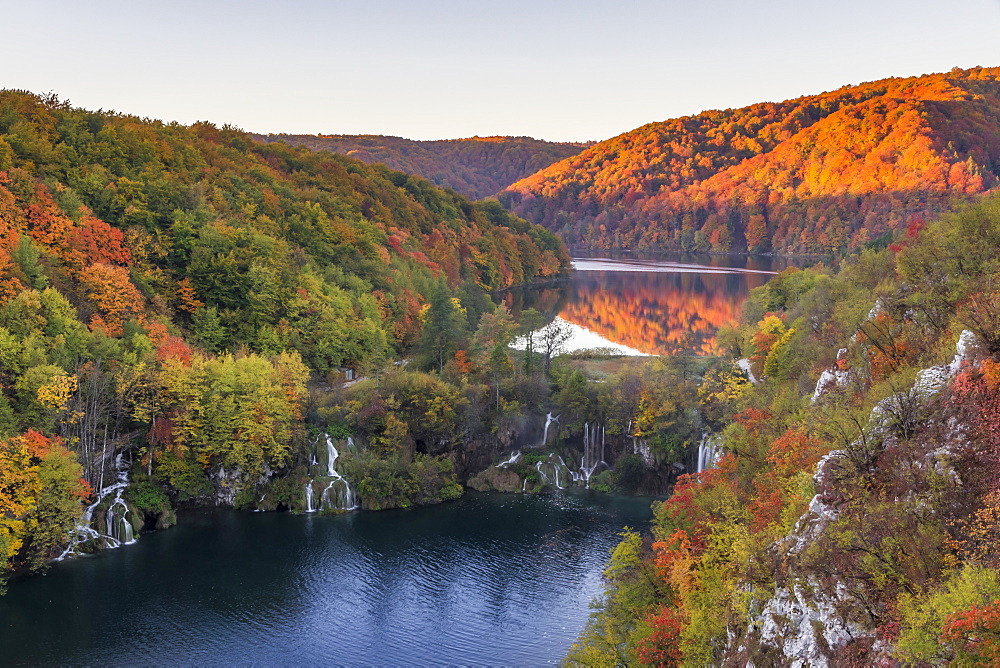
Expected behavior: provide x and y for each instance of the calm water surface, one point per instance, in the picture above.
(651, 305)
(486, 580)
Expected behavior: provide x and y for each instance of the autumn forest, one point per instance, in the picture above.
(196, 316)
(826, 173)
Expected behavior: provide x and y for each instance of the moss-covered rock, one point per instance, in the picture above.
(496, 479)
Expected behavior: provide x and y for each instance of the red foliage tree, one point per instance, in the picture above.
(95, 241)
(975, 634)
(662, 646)
(174, 348)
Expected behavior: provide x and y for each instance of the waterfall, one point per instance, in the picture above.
(337, 495)
(538, 467)
(592, 456)
(641, 447)
(116, 518)
(709, 452)
(309, 498)
(548, 420)
(557, 463)
(117, 526)
(331, 456)
(514, 456)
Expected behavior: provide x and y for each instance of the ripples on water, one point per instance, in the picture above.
(487, 580)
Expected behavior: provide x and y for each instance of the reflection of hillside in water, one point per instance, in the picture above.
(659, 312)
(548, 300)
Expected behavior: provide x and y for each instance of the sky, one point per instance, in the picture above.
(563, 71)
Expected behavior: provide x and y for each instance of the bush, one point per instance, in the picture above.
(923, 617)
(146, 496)
(628, 472)
(382, 483)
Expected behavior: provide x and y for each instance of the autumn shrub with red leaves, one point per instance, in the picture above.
(662, 647)
(974, 634)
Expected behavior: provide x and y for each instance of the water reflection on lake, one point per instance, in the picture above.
(651, 306)
(487, 580)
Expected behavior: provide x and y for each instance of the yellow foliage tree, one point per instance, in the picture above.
(19, 490)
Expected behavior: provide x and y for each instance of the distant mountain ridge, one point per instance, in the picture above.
(476, 167)
(817, 174)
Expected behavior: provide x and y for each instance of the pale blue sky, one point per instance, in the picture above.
(587, 69)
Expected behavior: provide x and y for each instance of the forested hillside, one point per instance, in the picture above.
(477, 167)
(169, 293)
(850, 516)
(818, 174)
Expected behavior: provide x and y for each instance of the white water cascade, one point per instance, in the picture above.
(709, 452)
(117, 524)
(514, 457)
(548, 420)
(309, 498)
(593, 451)
(331, 456)
(117, 521)
(337, 495)
(554, 465)
(641, 447)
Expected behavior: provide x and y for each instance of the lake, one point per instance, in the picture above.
(649, 305)
(486, 580)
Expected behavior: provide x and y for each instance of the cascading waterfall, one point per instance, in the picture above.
(117, 526)
(331, 456)
(514, 457)
(643, 449)
(545, 477)
(709, 452)
(593, 453)
(556, 464)
(116, 519)
(545, 433)
(337, 495)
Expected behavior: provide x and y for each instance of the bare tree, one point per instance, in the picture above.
(552, 340)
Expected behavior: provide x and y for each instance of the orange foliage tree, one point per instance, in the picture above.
(117, 300)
